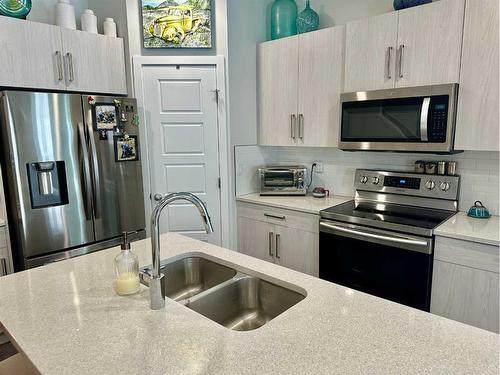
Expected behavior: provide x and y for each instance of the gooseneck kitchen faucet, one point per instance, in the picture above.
(156, 295)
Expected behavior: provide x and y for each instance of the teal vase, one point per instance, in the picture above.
(283, 19)
(15, 8)
(307, 20)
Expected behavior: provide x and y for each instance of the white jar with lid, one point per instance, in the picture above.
(65, 14)
(89, 21)
(109, 27)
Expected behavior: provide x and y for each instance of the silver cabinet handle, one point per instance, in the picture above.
(157, 197)
(301, 126)
(400, 63)
(59, 65)
(388, 62)
(293, 125)
(69, 57)
(86, 172)
(95, 172)
(271, 236)
(3, 267)
(278, 238)
(275, 217)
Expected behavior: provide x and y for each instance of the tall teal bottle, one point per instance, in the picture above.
(283, 19)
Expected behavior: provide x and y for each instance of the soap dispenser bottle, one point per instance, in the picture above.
(127, 269)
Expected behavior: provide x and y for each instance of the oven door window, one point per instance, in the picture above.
(279, 179)
(402, 276)
(388, 120)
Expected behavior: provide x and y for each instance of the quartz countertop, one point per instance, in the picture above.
(460, 226)
(67, 319)
(307, 203)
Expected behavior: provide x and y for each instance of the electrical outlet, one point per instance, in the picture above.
(319, 167)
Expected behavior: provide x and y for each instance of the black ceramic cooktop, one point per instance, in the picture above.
(390, 213)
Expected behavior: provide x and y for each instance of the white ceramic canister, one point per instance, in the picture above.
(65, 14)
(89, 21)
(109, 27)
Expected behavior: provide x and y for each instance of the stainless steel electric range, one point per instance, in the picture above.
(382, 242)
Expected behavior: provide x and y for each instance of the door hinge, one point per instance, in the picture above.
(219, 182)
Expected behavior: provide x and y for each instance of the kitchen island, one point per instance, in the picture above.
(66, 318)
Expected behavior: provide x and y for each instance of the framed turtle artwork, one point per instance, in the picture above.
(177, 23)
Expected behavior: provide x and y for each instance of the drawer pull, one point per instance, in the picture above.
(3, 267)
(275, 217)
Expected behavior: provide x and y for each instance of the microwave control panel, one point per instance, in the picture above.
(438, 119)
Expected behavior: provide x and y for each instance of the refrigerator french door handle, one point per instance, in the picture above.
(87, 195)
(95, 172)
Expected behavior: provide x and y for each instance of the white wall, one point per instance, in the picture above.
(479, 171)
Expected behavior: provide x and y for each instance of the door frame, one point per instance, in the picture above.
(139, 62)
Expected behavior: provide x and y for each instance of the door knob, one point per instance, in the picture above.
(158, 197)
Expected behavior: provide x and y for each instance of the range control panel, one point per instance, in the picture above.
(404, 183)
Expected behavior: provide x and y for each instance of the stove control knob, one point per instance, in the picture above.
(444, 186)
(363, 179)
(430, 185)
(375, 180)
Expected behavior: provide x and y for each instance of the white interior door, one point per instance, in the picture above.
(180, 103)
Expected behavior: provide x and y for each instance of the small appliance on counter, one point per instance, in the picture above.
(382, 242)
(283, 180)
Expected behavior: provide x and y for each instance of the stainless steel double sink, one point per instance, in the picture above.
(235, 299)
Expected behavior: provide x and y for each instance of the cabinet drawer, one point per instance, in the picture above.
(287, 218)
(466, 253)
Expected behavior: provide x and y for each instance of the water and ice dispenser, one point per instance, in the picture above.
(47, 184)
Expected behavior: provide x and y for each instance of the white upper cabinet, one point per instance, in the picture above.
(321, 58)
(278, 69)
(479, 79)
(94, 63)
(30, 55)
(39, 56)
(370, 53)
(413, 47)
(430, 44)
(300, 79)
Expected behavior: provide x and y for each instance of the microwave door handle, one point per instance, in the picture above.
(424, 120)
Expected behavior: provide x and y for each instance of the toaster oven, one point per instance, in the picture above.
(283, 180)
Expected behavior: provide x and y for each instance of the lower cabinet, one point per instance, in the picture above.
(465, 285)
(283, 237)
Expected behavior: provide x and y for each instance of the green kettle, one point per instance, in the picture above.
(478, 211)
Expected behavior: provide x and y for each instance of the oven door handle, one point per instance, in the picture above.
(366, 235)
(424, 120)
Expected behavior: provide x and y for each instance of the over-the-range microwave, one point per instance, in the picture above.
(411, 119)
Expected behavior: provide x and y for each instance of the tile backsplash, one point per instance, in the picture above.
(479, 171)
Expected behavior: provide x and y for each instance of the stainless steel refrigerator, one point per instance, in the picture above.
(72, 174)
